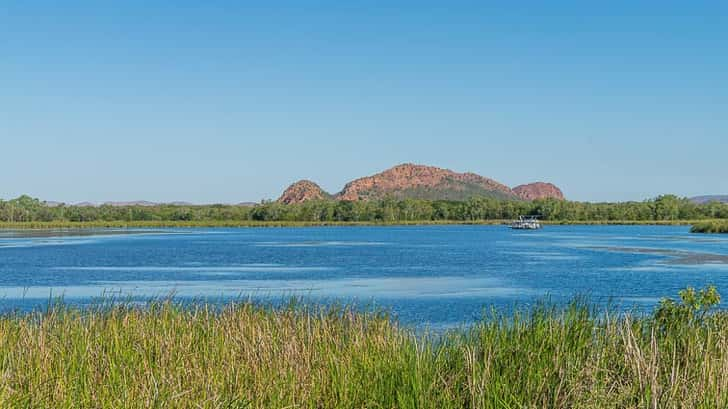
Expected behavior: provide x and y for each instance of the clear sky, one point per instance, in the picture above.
(210, 101)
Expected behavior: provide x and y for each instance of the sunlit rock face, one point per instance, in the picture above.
(411, 181)
(538, 190)
(302, 191)
(423, 182)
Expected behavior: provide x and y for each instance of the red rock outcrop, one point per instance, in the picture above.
(409, 180)
(421, 182)
(538, 190)
(302, 191)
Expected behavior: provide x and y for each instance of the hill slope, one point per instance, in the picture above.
(411, 181)
(538, 190)
(423, 182)
(302, 191)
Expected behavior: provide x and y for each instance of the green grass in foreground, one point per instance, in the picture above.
(167, 356)
(711, 226)
(250, 223)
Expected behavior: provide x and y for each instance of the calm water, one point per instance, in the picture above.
(438, 275)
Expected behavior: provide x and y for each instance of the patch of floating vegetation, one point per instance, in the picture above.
(675, 256)
(80, 232)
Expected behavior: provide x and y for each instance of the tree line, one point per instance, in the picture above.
(662, 208)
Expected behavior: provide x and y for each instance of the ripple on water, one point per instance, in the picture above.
(44, 243)
(426, 274)
(390, 287)
(319, 244)
(256, 268)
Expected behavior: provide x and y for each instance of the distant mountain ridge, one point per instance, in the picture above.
(420, 182)
(134, 203)
(709, 198)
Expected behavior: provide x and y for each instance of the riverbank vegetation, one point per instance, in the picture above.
(664, 209)
(249, 356)
(151, 224)
(710, 226)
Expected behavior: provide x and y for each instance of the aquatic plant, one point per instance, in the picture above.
(712, 226)
(244, 355)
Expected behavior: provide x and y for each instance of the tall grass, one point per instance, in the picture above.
(246, 356)
(712, 226)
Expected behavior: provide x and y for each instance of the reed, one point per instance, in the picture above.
(244, 355)
(711, 226)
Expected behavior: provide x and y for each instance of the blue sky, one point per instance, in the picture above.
(232, 101)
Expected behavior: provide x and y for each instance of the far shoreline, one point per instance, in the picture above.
(287, 224)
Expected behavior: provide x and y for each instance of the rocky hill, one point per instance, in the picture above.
(538, 190)
(302, 191)
(421, 182)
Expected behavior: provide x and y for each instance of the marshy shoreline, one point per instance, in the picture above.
(164, 354)
(120, 224)
(710, 226)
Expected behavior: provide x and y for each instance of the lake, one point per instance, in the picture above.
(437, 276)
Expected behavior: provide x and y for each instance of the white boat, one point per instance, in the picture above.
(526, 223)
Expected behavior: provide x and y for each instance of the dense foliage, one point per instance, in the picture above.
(663, 208)
(711, 226)
(244, 355)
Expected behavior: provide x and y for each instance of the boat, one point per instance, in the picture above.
(526, 223)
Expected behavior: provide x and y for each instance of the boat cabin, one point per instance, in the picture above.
(526, 223)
